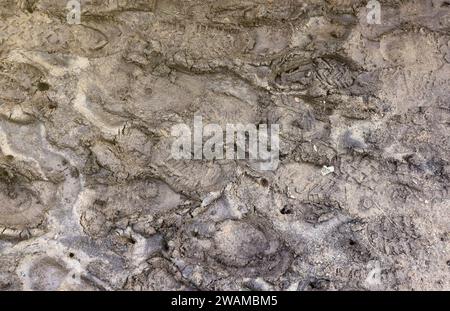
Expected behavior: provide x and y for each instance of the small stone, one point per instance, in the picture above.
(327, 170)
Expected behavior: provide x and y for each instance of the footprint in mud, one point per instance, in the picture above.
(23, 205)
(49, 274)
(34, 180)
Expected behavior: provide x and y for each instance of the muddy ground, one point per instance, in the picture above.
(90, 198)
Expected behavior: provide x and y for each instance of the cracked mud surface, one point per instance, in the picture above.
(90, 198)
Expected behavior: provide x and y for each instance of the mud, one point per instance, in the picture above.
(91, 199)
